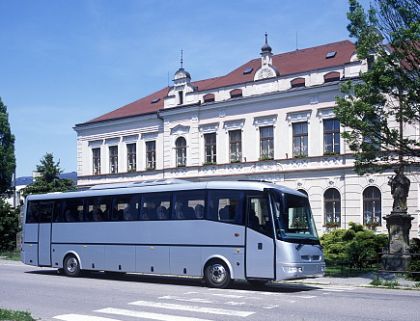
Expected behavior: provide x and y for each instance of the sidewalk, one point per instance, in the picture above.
(365, 280)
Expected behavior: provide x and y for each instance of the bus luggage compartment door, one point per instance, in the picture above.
(44, 244)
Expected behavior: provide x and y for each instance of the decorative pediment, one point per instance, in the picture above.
(265, 72)
(234, 124)
(149, 136)
(326, 113)
(297, 117)
(209, 128)
(265, 120)
(130, 138)
(180, 130)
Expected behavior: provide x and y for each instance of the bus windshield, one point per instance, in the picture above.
(293, 218)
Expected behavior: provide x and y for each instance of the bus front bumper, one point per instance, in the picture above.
(300, 270)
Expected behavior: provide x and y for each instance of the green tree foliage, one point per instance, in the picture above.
(7, 151)
(49, 178)
(355, 247)
(387, 36)
(9, 226)
(415, 259)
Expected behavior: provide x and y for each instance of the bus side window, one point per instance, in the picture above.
(126, 207)
(189, 205)
(225, 206)
(155, 206)
(73, 210)
(259, 218)
(45, 211)
(32, 215)
(58, 211)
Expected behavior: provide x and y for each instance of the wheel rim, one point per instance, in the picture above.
(72, 265)
(217, 273)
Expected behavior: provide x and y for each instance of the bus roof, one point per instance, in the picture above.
(171, 186)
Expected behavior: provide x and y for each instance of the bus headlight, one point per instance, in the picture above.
(293, 269)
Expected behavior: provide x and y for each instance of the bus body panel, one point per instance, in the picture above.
(44, 244)
(30, 253)
(30, 233)
(93, 257)
(121, 258)
(259, 255)
(233, 257)
(152, 259)
(298, 260)
(185, 260)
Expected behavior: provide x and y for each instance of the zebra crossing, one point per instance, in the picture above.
(204, 305)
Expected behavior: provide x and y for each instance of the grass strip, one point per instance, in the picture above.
(11, 315)
(10, 255)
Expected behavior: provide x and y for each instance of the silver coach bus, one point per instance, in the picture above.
(220, 231)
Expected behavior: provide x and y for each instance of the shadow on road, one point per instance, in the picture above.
(278, 287)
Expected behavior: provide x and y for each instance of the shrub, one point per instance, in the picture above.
(9, 226)
(355, 247)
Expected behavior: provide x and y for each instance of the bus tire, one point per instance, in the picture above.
(71, 266)
(217, 275)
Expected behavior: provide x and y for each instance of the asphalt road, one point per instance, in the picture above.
(100, 297)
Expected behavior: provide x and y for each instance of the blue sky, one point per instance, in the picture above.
(66, 62)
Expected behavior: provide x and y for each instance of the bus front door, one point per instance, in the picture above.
(260, 253)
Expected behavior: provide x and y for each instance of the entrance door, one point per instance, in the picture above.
(45, 209)
(260, 253)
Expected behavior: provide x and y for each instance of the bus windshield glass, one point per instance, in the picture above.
(293, 218)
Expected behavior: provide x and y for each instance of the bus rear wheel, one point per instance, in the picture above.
(71, 266)
(217, 275)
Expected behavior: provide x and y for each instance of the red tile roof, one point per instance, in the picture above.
(293, 62)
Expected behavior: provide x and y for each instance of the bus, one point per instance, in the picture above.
(219, 231)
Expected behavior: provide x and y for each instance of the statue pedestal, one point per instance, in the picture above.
(398, 257)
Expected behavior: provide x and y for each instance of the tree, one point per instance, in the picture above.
(9, 226)
(387, 36)
(7, 151)
(49, 178)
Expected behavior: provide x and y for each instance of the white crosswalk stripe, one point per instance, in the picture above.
(81, 317)
(147, 315)
(192, 308)
(177, 298)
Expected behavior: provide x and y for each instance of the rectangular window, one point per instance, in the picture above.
(40, 212)
(155, 206)
(266, 143)
(73, 210)
(113, 159)
(225, 206)
(300, 139)
(259, 213)
(98, 208)
(235, 146)
(151, 155)
(125, 208)
(331, 136)
(131, 157)
(189, 205)
(96, 161)
(210, 148)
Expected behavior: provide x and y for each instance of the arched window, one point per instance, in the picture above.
(332, 208)
(236, 93)
(332, 76)
(372, 207)
(208, 98)
(302, 191)
(297, 82)
(181, 151)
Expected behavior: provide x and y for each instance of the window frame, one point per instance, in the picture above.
(270, 143)
(303, 145)
(376, 220)
(181, 152)
(151, 155)
(210, 148)
(113, 159)
(334, 223)
(334, 133)
(235, 146)
(96, 161)
(131, 157)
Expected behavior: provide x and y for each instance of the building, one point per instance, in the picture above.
(271, 118)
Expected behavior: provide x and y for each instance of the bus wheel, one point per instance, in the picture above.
(71, 266)
(217, 275)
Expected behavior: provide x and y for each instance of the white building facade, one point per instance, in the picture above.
(271, 119)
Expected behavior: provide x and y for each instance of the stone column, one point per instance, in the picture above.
(398, 257)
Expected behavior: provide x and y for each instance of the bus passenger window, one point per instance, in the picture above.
(126, 208)
(226, 206)
(32, 215)
(155, 206)
(73, 210)
(45, 211)
(189, 205)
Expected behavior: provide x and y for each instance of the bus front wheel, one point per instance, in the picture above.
(71, 266)
(217, 275)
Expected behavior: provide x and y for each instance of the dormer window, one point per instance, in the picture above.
(298, 82)
(208, 98)
(332, 76)
(181, 97)
(235, 93)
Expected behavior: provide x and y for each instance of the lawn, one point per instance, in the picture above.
(15, 315)
(10, 255)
